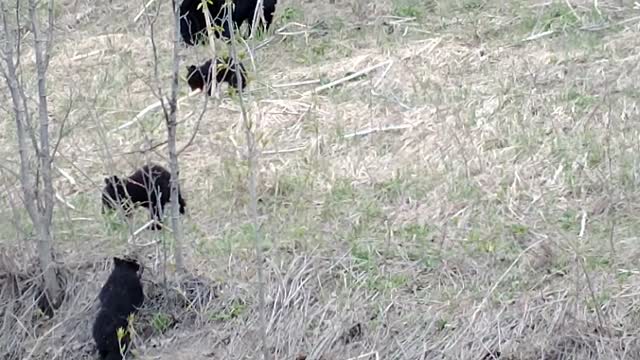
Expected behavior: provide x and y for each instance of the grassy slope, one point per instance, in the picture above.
(503, 220)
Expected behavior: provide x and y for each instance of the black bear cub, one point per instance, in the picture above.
(193, 25)
(199, 77)
(120, 296)
(149, 187)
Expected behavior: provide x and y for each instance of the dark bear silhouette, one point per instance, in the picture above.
(193, 25)
(199, 77)
(120, 296)
(148, 187)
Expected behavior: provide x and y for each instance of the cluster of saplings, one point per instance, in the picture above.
(150, 186)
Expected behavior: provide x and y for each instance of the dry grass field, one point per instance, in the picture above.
(474, 196)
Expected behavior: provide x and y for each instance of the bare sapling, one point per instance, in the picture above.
(169, 108)
(33, 134)
(172, 124)
(252, 159)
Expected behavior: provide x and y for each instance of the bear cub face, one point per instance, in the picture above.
(149, 187)
(123, 280)
(120, 296)
(200, 77)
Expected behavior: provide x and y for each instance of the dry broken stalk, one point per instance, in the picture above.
(39, 203)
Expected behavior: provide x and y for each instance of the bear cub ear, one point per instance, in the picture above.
(117, 262)
(132, 264)
(190, 70)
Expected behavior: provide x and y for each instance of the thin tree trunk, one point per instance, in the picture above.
(252, 158)
(39, 204)
(45, 205)
(171, 129)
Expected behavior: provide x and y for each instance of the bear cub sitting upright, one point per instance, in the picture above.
(120, 296)
(200, 77)
(149, 187)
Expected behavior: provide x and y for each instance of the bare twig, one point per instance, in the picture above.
(138, 231)
(573, 11)
(142, 11)
(87, 55)
(283, 151)
(64, 202)
(366, 355)
(378, 129)
(150, 108)
(63, 122)
(151, 147)
(297, 83)
(196, 128)
(538, 36)
(347, 78)
(66, 175)
(427, 48)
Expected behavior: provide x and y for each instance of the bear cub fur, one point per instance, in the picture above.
(120, 296)
(199, 77)
(149, 187)
(193, 25)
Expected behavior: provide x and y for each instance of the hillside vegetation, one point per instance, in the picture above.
(472, 195)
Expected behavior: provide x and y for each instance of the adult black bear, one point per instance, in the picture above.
(149, 187)
(193, 25)
(199, 77)
(120, 296)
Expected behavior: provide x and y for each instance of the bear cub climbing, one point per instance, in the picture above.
(200, 77)
(120, 296)
(149, 187)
